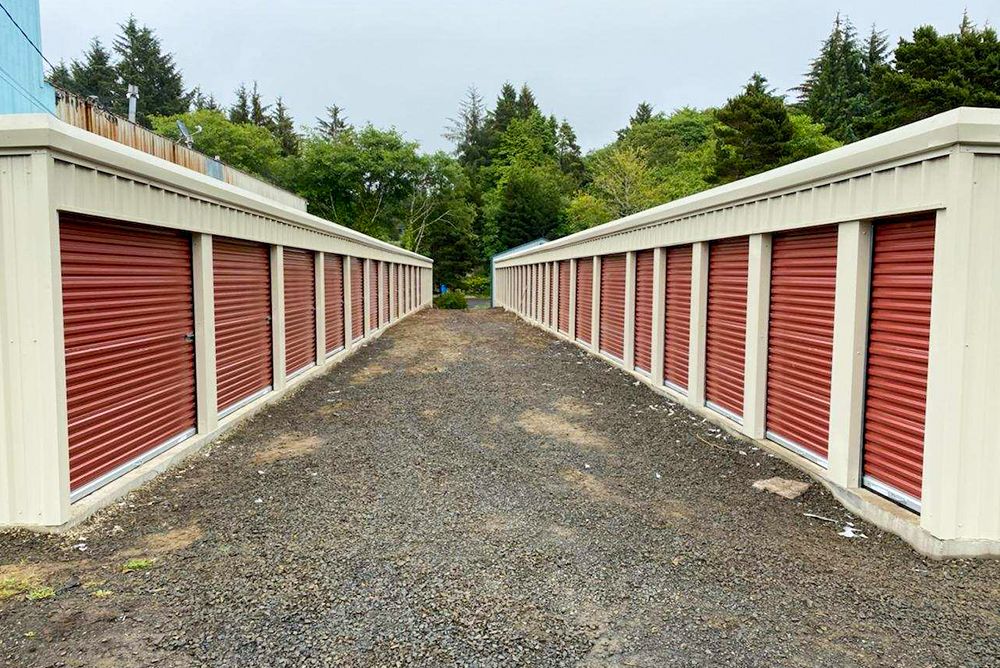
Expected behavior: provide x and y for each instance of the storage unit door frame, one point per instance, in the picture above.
(128, 326)
(394, 291)
(300, 310)
(677, 318)
(564, 296)
(800, 340)
(357, 298)
(898, 345)
(383, 294)
(333, 302)
(584, 298)
(643, 339)
(244, 368)
(725, 335)
(373, 294)
(612, 320)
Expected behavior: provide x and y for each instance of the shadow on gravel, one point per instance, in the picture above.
(467, 490)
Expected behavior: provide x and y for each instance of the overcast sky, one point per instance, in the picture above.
(407, 64)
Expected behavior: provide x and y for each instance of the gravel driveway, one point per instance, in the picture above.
(469, 491)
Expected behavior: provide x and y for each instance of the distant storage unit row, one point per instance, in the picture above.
(144, 316)
(837, 310)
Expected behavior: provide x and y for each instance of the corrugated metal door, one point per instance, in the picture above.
(898, 341)
(800, 340)
(584, 297)
(552, 294)
(677, 318)
(383, 294)
(725, 337)
(373, 294)
(643, 310)
(300, 310)
(333, 301)
(128, 319)
(612, 322)
(394, 290)
(564, 296)
(538, 292)
(357, 298)
(242, 276)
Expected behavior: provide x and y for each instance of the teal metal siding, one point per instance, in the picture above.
(22, 81)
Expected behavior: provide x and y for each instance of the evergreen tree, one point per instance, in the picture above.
(506, 109)
(283, 129)
(753, 134)
(334, 124)
(874, 53)
(240, 111)
(95, 75)
(142, 62)
(526, 102)
(469, 132)
(60, 77)
(259, 112)
(202, 102)
(833, 92)
(643, 114)
(568, 152)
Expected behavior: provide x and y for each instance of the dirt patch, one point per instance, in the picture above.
(368, 373)
(560, 429)
(287, 446)
(572, 407)
(429, 413)
(165, 542)
(592, 487)
(335, 408)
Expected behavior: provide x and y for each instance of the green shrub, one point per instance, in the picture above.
(451, 299)
(478, 285)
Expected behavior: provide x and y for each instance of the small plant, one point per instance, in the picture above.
(133, 565)
(41, 593)
(477, 285)
(101, 593)
(454, 299)
(12, 587)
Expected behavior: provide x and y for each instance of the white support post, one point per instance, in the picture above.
(278, 315)
(572, 299)
(699, 317)
(595, 306)
(320, 309)
(204, 334)
(628, 347)
(755, 352)
(850, 336)
(659, 314)
(348, 314)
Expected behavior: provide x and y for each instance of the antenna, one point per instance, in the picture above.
(187, 137)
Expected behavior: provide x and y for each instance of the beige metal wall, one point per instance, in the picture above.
(948, 165)
(47, 167)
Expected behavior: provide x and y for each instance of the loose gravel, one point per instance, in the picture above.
(468, 490)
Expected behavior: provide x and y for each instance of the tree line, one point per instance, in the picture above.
(518, 173)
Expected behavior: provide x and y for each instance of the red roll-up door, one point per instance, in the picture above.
(242, 277)
(128, 325)
(373, 294)
(898, 342)
(383, 294)
(677, 318)
(800, 340)
(552, 294)
(564, 296)
(584, 297)
(725, 339)
(393, 292)
(643, 310)
(300, 310)
(333, 301)
(612, 321)
(357, 298)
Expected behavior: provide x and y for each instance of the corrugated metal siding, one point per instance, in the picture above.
(128, 314)
(383, 300)
(643, 310)
(584, 297)
(242, 277)
(300, 309)
(373, 295)
(725, 339)
(564, 296)
(357, 298)
(553, 280)
(394, 289)
(898, 340)
(538, 292)
(333, 300)
(612, 321)
(677, 320)
(800, 339)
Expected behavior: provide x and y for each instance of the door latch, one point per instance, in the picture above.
(189, 337)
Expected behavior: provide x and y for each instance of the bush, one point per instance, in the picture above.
(477, 285)
(451, 299)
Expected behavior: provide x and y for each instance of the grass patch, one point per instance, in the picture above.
(12, 587)
(133, 565)
(41, 593)
(101, 593)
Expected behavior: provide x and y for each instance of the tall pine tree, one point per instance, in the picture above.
(142, 62)
(753, 134)
(833, 92)
(240, 111)
(334, 123)
(468, 132)
(260, 113)
(95, 75)
(283, 129)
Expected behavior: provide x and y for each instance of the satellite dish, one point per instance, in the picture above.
(187, 137)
